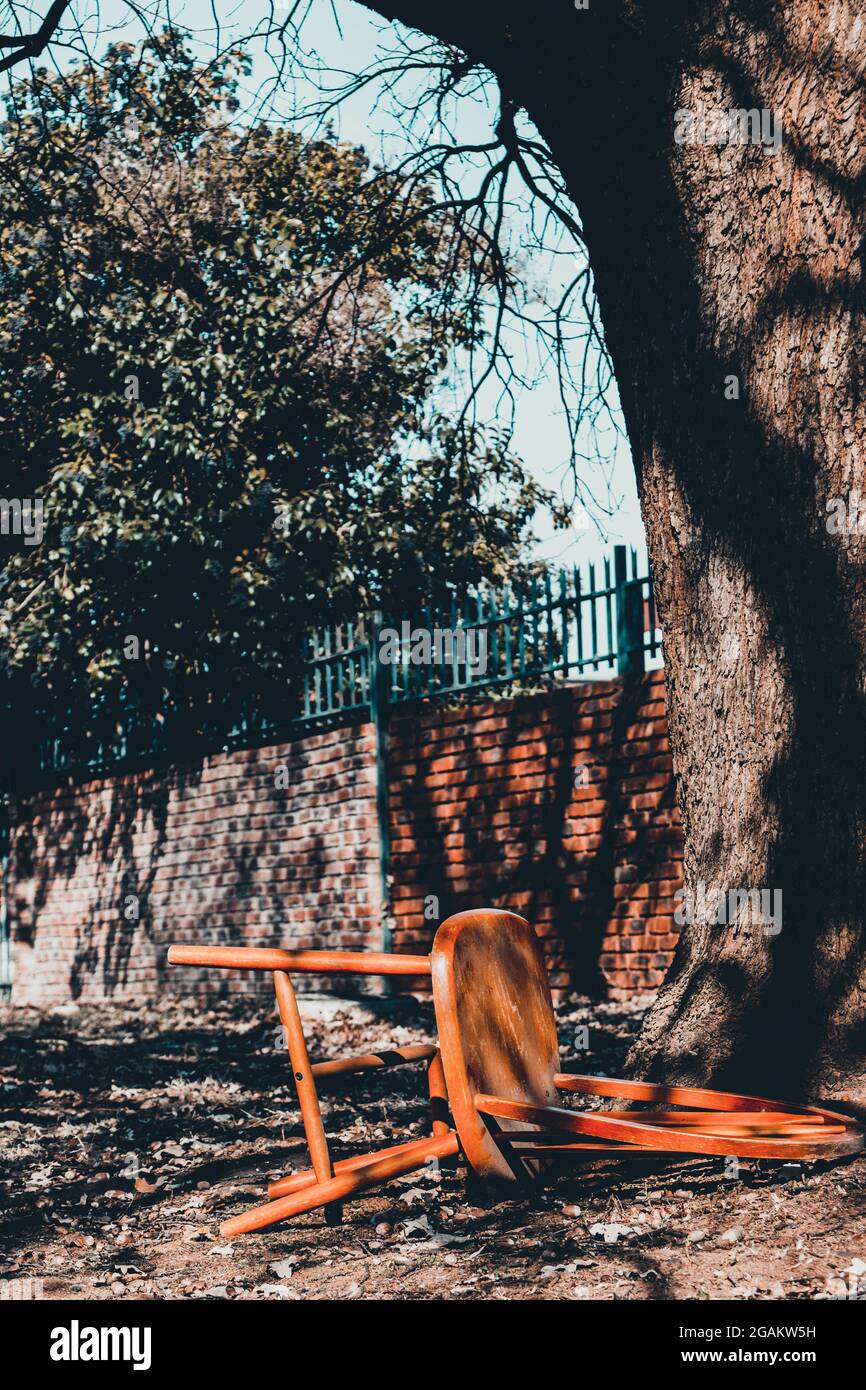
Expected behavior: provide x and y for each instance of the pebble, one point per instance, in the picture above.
(732, 1236)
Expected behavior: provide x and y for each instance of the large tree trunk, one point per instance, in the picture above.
(713, 262)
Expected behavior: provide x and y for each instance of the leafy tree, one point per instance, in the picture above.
(217, 356)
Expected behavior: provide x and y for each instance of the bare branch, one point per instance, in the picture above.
(32, 45)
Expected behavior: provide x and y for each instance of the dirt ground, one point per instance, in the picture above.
(128, 1134)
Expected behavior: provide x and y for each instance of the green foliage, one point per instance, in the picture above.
(218, 349)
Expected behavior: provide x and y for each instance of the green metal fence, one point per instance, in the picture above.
(566, 626)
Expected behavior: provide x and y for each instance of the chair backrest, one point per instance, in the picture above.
(497, 1032)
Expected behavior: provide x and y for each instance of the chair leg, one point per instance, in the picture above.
(440, 1121)
(439, 1112)
(306, 1087)
(406, 1159)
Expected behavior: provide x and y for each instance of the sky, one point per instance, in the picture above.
(345, 36)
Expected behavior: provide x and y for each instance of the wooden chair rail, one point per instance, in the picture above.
(376, 1061)
(299, 962)
(348, 1183)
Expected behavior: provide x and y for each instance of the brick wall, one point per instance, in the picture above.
(214, 851)
(558, 805)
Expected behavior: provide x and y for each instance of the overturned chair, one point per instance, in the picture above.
(494, 1079)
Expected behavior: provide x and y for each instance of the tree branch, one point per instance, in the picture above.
(32, 45)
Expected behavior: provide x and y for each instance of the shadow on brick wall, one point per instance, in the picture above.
(67, 831)
(272, 846)
(559, 806)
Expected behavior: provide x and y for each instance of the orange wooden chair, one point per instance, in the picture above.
(497, 1068)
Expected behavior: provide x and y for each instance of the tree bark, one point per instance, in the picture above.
(713, 262)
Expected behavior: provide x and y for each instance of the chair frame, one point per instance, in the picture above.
(716, 1122)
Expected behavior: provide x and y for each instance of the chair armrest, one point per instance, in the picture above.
(304, 962)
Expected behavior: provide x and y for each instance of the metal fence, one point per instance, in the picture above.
(566, 626)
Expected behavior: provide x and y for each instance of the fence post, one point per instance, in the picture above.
(629, 617)
(6, 822)
(379, 712)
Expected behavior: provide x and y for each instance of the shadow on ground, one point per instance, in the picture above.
(130, 1133)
